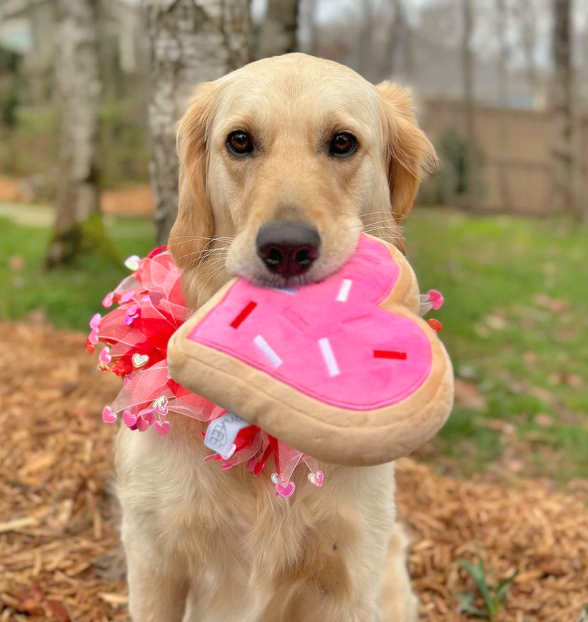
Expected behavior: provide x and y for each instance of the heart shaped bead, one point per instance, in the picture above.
(285, 489)
(140, 359)
(129, 419)
(108, 416)
(132, 262)
(95, 321)
(108, 300)
(162, 427)
(316, 479)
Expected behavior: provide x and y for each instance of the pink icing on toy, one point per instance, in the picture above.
(329, 340)
(338, 320)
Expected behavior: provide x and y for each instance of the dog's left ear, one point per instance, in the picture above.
(410, 154)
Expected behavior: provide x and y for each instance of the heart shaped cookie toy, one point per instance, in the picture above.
(343, 370)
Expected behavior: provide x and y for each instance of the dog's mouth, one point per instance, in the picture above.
(276, 281)
(290, 254)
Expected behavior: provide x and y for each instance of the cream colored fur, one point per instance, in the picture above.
(204, 545)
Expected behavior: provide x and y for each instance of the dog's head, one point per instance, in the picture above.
(283, 163)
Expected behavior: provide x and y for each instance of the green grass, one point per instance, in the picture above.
(67, 297)
(514, 323)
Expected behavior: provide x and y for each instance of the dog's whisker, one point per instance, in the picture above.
(204, 252)
(197, 237)
(198, 260)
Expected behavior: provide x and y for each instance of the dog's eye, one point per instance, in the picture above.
(343, 144)
(240, 143)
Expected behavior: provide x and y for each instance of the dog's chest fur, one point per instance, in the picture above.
(229, 530)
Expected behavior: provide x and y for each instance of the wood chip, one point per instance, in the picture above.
(59, 542)
(18, 524)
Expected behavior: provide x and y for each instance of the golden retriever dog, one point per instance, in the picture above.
(283, 164)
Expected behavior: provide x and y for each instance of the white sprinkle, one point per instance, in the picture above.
(286, 290)
(268, 351)
(344, 291)
(329, 357)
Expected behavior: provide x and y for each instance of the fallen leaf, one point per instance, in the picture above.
(468, 395)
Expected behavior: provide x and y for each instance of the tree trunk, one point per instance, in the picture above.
(525, 12)
(191, 41)
(279, 33)
(467, 69)
(501, 24)
(364, 44)
(562, 104)
(396, 38)
(307, 21)
(78, 226)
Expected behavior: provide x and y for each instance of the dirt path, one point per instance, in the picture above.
(59, 557)
(19, 204)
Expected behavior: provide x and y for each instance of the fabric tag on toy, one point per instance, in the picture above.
(222, 432)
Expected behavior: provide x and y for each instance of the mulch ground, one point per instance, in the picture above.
(59, 553)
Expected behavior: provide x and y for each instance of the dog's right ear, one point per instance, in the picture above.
(194, 224)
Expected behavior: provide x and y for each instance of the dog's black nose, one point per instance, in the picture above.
(288, 248)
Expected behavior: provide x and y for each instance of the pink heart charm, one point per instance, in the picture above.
(142, 424)
(108, 416)
(316, 479)
(95, 321)
(133, 313)
(104, 356)
(436, 299)
(108, 300)
(285, 489)
(162, 427)
(127, 296)
(155, 297)
(129, 419)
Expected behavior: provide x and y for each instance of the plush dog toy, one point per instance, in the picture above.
(343, 370)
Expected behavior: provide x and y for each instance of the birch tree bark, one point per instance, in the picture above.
(279, 33)
(191, 41)
(562, 104)
(78, 225)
